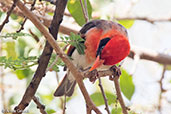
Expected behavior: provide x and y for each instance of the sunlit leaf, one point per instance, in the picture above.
(46, 98)
(117, 110)
(13, 16)
(10, 49)
(76, 41)
(50, 111)
(127, 85)
(21, 74)
(11, 101)
(126, 23)
(74, 7)
(99, 100)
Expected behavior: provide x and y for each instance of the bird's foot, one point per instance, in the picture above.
(93, 75)
(116, 72)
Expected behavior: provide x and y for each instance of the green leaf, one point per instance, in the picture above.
(126, 23)
(14, 35)
(13, 16)
(1, 14)
(11, 101)
(76, 41)
(74, 7)
(98, 98)
(46, 98)
(10, 49)
(50, 111)
(127, 85)
(21, 74)
(117, 110)
(21, 46)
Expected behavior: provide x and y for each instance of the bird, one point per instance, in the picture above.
(106, 44)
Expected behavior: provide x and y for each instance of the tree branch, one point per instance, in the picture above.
(44, 59)
(104, 96)
(161, 89)
(39, 105)
(8, 14)
(84, 11)
(25, 19)
(61, 54)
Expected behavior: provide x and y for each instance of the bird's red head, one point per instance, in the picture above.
(106, 44)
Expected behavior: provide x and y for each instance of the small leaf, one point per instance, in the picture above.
(98, 98)
(50, 111)
(13, 16)
(74, 7)
(127, 85)
(117, 110)
(126, 23)
(26, 73)
(10, 48)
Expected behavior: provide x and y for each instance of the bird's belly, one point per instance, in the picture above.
(81, 61)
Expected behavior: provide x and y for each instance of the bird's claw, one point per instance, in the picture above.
(116, 72)
(93, 76)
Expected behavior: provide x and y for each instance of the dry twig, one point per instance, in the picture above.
(116, 74)
(161, 88)
(25, 19)
(8, 14)
(104, 96)
(84, 9)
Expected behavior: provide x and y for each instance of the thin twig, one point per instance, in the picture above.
(64, 104)
(116, 74)
(39, 105)
(25, 19)
(8, 14)
(144, 19)
(56, 59)
(161, 89)
(84, 11)
(104, 96)
(119, 96)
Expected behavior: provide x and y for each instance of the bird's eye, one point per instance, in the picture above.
(102, 44)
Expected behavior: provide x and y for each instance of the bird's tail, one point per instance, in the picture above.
(66, 87)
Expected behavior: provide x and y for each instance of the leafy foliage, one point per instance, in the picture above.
(50, 111)
(74, 7)
(14, 35)
(98, 98)
(18, 64)
(76, 41)
(127, 85)
(25, 73)
(57, 64)
(117, 110)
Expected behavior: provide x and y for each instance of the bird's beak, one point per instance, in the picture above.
(98, 62)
